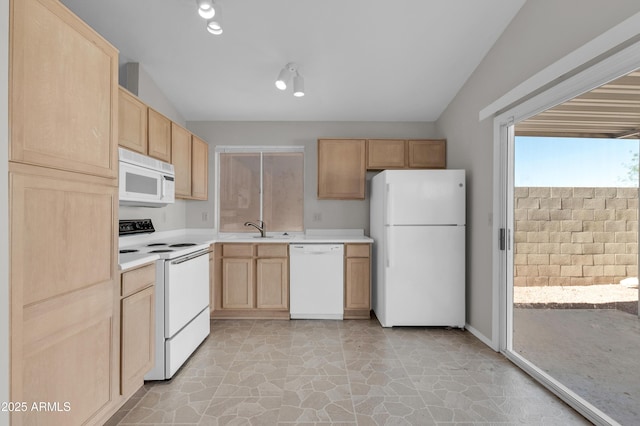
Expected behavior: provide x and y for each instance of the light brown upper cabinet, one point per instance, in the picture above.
(383, 154)
(386, 154)
(181, 159)
(132, 122)
(341, 168)
(199, 168)
(64, 91)
(427, 154)
(159, 136)
(143, 129)
(148, 132)
(189, 155)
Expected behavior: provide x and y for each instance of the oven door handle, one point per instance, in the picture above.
(190, 257)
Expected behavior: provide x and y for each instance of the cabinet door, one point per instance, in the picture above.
(212, 278)
(181, 159)
(386, 154)
(132, 122)
(428, 154)
(64, 91)
(341, 168)
(159, 135)
(63, 258)
(137, 339)
(272, 283)
(357, 286)
(199, 168)
(237, 283)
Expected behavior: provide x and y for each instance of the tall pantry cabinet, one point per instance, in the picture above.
(63, 216)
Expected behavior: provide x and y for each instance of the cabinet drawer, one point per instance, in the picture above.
(137, 279)
(237, 250)
(272, 250)
(357, 250)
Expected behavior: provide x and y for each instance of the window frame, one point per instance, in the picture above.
(255, 149)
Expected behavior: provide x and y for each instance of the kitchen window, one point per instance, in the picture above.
(260, 183)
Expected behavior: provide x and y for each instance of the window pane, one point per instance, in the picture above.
(283, 182)
(239, 190)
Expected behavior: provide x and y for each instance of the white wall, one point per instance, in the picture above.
(153, 96)
(542, 32)
(4, 211)
(334, 214)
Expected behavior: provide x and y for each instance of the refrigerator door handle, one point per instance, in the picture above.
(387, 245)
(389, 204)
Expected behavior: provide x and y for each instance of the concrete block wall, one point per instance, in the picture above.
(575, 236)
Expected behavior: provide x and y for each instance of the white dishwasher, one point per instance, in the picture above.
(316, 281)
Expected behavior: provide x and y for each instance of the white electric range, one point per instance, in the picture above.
(182, 292)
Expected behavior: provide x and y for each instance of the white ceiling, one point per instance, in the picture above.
(362, 60)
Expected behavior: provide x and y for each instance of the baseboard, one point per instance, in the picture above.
(484, 339)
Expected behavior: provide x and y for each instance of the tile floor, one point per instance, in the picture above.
(594, 352)
(256, 372)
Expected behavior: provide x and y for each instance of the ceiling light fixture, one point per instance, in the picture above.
(298, 85)
(206, 8)
(212, 12)
(214, 25)
(291, 70)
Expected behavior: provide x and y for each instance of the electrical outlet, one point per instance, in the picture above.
(317, 217)
(205, 216)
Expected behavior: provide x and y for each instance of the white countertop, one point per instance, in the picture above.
(133, 260)
(208, 236)
(312, 236)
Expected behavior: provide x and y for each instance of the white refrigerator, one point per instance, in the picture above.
(417, 222)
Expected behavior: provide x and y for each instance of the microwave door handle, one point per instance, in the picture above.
(163, 187)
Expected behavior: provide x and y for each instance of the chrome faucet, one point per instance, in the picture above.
(261, 227)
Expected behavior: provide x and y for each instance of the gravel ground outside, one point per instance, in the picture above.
(607, 296)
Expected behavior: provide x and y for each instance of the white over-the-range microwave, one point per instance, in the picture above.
(145, 181)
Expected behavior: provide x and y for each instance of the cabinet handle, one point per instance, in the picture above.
(189, 257)
(387, 244)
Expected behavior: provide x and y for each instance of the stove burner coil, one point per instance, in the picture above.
(128, 251)
(183, 245)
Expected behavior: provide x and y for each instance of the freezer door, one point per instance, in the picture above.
(431, 197)
(425, 276)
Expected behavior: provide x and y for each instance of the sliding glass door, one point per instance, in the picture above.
(571, 260)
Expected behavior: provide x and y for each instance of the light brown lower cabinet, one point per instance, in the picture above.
(271, 284)
(136, 327)
(64, 277)
(357, 281)
(252, 281)
(212, 277)
(237, 283)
